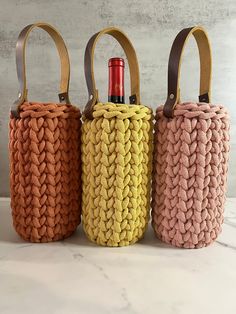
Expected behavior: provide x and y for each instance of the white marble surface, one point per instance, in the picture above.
(75, 276)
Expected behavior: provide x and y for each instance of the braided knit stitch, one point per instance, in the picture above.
(190, 168)
(116, 173)
(45, 171)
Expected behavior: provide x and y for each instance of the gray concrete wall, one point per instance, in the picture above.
(151, 25)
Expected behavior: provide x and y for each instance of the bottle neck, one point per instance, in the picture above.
(116, 99)
(116, 81)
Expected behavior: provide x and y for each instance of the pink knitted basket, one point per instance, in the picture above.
(191, 146)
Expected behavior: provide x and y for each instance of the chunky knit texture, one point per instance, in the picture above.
(45, 170)
(190, 167)
(116, 163)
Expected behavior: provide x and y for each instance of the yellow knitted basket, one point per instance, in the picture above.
(116, 160)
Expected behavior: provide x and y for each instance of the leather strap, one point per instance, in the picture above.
(20, 64)
(89, 68)
(175, 57)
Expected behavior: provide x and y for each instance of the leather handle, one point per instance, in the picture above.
(174, 65)
(89, 67)
(20, 64)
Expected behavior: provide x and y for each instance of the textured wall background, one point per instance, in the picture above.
(151, 25)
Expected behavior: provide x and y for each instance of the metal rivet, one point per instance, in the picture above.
(62, 97)
(172, 96)
(91, 97)
(19, 95)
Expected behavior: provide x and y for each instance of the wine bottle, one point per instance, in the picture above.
(116, 80)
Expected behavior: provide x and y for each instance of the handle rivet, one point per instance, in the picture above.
(91, 97)
(62, 97)
(172, 96)
(19, 95)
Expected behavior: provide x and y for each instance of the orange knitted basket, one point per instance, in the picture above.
(191, 145)
(45, 165)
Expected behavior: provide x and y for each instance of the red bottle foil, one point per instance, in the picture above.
(116, 77)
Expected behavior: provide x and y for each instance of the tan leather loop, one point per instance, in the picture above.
(20, 64)
(174, 65)
(89, 67)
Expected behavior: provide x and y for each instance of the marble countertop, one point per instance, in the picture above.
(76, 276)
